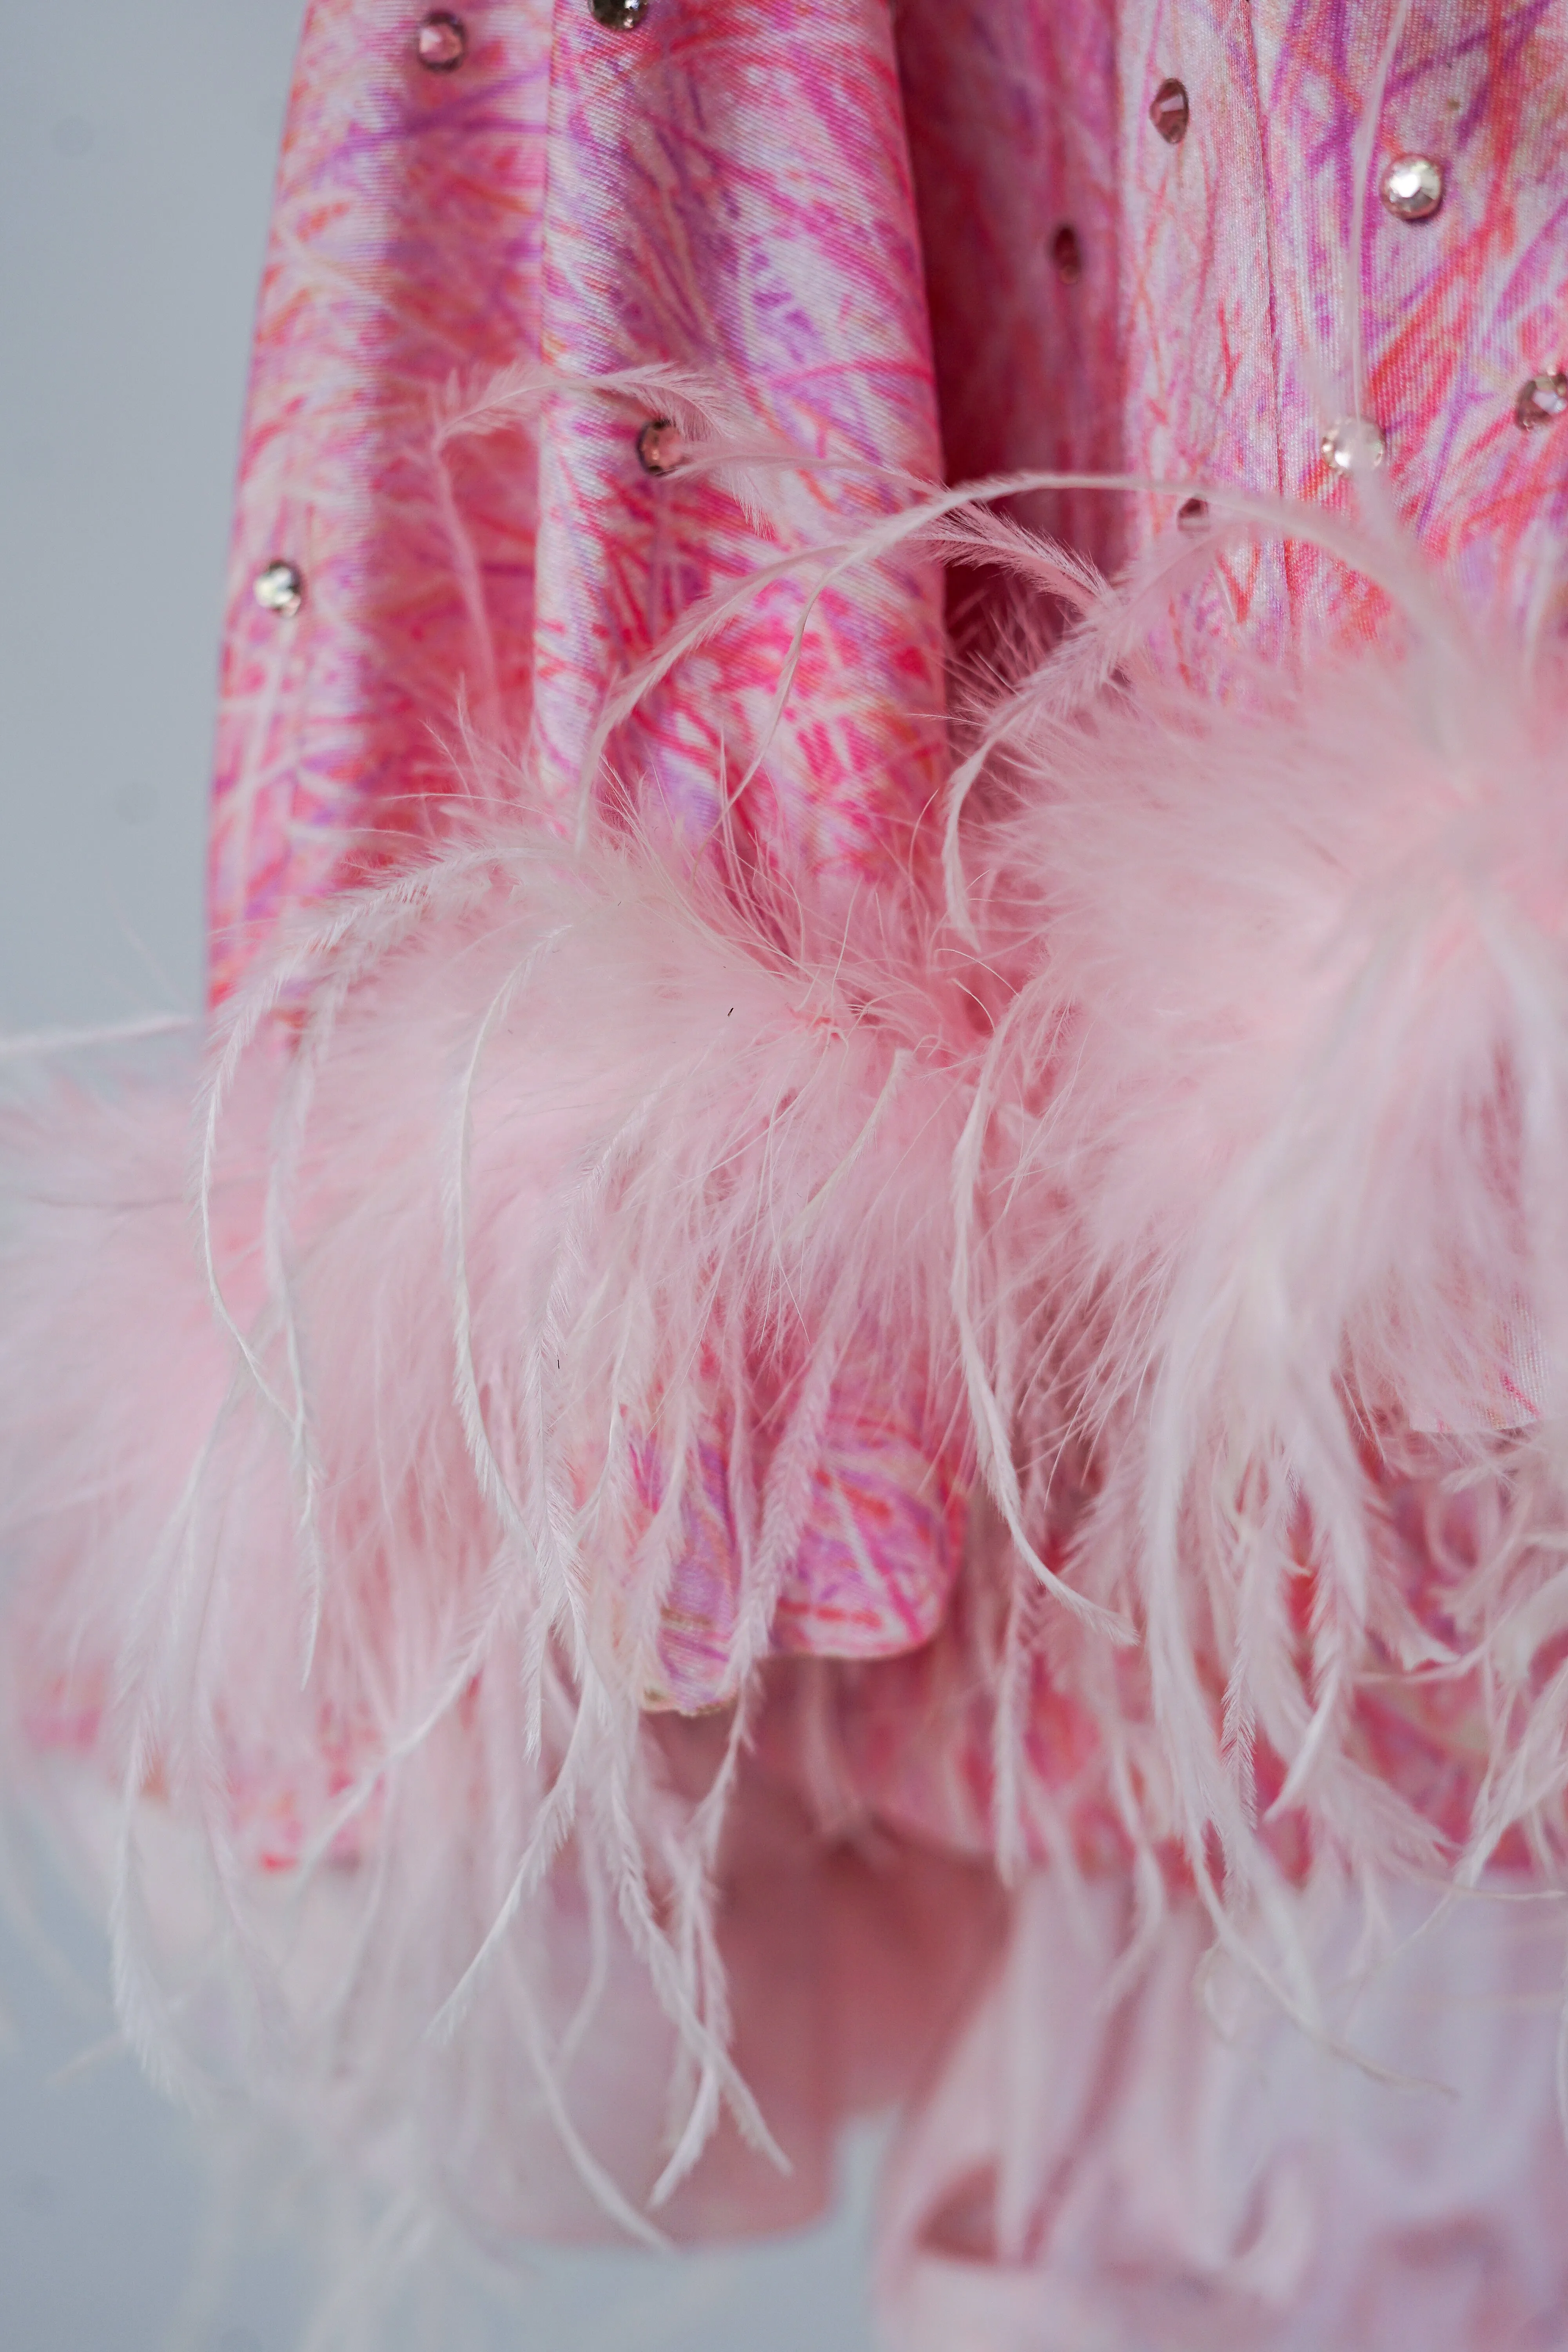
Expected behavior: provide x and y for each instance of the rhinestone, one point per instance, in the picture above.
(619, 15)
(1541, 399)
(1356, 444)
(1067, 254)
(1193, 517)
(441, 42)
(280, 587)
(1412, 187)
(1171, 112)
(661, 446)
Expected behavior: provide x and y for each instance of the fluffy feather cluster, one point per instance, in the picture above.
(389, 1449)
(1285, 1052)
(404, 1417)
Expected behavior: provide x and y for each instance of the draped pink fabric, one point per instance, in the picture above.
(790, 204)
(728, 193)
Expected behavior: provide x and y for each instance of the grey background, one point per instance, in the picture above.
(137, 140)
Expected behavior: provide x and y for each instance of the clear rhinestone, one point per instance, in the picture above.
(619, 15)
(660, 445)
(1412, 187)
(1540, 400)
(1193, 517)
(280, 587)
(1067, 254)
(1171, 112)
(441, 42)
(1354, 446)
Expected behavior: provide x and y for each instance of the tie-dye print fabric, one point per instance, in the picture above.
(850, 220)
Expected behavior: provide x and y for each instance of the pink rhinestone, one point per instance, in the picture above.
(660, 445)
(442, 42)
(1412, 187)
(1540, 401)
(1067, 254)
(1171, 112)
(1354, 445)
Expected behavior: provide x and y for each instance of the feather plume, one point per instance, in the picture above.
(1281, 1083)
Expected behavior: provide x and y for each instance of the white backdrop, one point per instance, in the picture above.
(137, 140)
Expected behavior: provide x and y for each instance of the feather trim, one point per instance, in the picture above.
(541, 1225)
(563, 1225)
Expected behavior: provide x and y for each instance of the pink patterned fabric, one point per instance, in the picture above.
(602, 203)
(728, 193)
(1213, 333)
